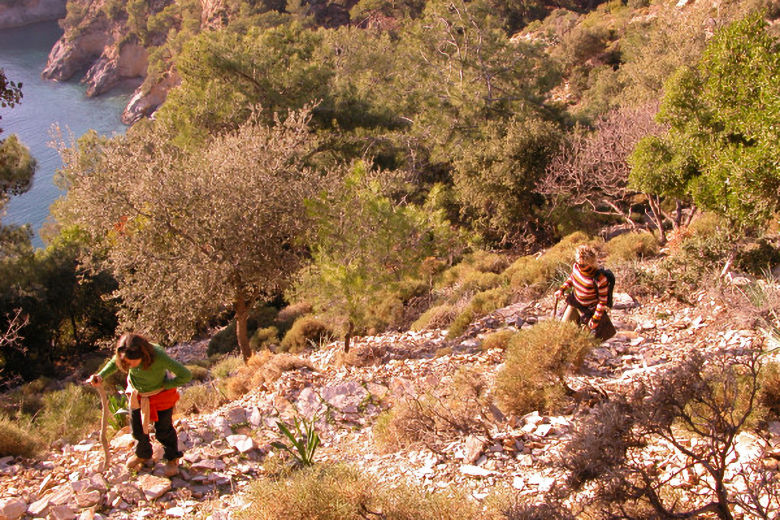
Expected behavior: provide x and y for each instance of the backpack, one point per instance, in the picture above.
(610, 283)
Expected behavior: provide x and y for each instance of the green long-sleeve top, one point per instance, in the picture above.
(153, 378)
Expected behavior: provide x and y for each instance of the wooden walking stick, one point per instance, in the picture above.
(555, 308)
(104, 428)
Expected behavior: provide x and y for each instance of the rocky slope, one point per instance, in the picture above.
(25, 12)
(227, 449)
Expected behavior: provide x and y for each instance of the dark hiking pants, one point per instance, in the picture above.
(163, 430)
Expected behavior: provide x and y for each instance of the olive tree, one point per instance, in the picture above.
(720, 148)
(187, 234)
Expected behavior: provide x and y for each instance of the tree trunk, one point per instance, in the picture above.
(657, 217)
(242, 316)
(348, 335)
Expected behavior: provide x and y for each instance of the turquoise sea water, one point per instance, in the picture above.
(23, 54)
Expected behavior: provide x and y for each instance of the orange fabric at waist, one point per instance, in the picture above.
(162, 401)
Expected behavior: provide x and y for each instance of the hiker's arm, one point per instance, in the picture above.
(565, 287)
(182, 373)
(601, 306)
(109, 369)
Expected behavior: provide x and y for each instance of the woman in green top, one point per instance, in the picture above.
(152, 378)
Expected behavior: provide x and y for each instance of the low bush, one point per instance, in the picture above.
(26, 399)
(198, 372)
(305, 331)
(498, 339)
(226, 366)
(68, 414)
(200, 398)
(17, 438)
(362, 355)
(539, 274)
(631, 246)
(289, 314)
(697, 410)
(263, 368)
(264, 338)
(537, 360)
(225, 340)
(436, 416)
(481, 304)
(342, 493)
(436, 317)
(388, 312)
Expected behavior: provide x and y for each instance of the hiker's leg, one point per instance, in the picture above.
(166, 434)
(143, 447)
(571, 314)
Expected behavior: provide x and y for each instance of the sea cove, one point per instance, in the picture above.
(23, 54)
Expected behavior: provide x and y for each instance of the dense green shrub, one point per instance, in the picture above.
(537, 360)
(305, 331)
(631, 246)
(342, 493)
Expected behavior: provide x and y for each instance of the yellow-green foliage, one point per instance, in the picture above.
(342, 493)
(630, 246)
(481, 304)
(16, 438)
(706, 224)
(264, 338)
(477, 272)
(539, 273)
(536, 361)
(305, 330)
(68, 414)
(498, 339)
(200, 398)
(226, 366)
(438, 316)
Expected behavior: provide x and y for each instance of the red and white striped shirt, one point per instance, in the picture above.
(581, 279)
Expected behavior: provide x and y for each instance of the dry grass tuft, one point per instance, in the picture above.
(342, 493)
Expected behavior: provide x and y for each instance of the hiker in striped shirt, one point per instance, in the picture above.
(588, 298)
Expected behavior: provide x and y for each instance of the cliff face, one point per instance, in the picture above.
(24, 12)
(100, 46)
(110, 53)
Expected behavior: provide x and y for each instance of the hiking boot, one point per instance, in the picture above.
(135, 462)
(172, 468)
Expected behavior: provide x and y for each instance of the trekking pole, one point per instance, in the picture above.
(555, 308)
(104, 428)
